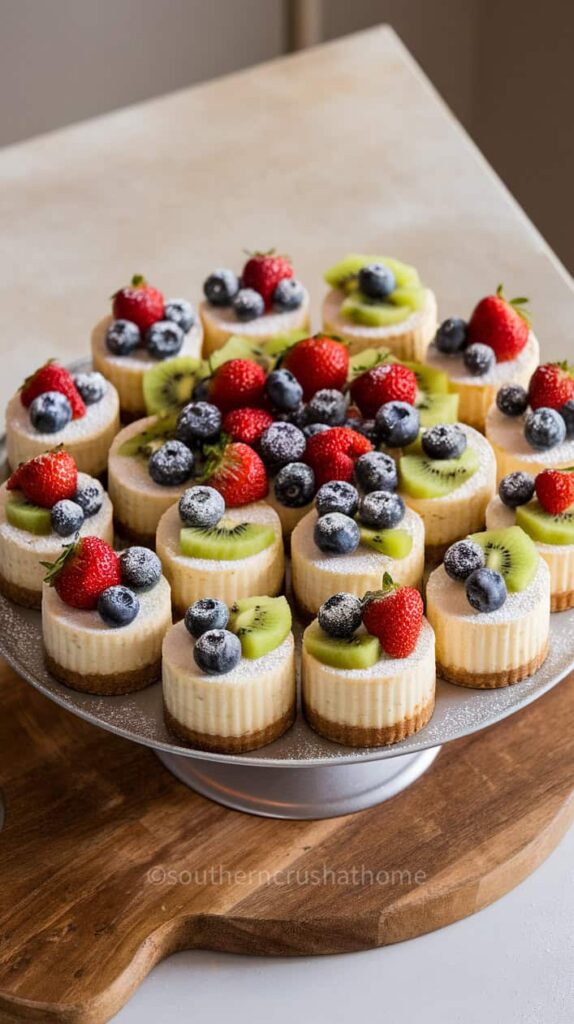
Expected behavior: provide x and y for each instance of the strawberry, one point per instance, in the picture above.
(389, 382)
(52, 377)
(394, 615)
(247, 424)
(236, 384)
(237, 472)
(139, 302)
(332, 453)
(500, 323)
(555, 490)
(83, 571)
(318, 362)
(48, 478)
(551, 386)
(263, 272)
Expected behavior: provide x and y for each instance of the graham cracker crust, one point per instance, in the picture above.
(230, 744)
(20, 595)
(560, 602)
(360, 736)
(492, 680)
(125, 533)
(109, 685)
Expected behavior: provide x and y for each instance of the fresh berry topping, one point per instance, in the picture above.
(205, 614)
(171, 465)
(217, 651)
(237, 384)
(200, 392)
(180, 312)
(164, 339)
(512, 399)
(315, 428)
(444, 441)
(327, 406)
(341, 615)
(501, 324)
(294, 485)
(463, 558)
(122, 337)
(118, 606)
(478, 359)
(52, 377)
(140, 568)
(389, 382)
(376, 471)
(91, 386)
(332, 454)
(283, 390)
(394, 615)
(451, 336)
(544, 428)
(337, 496)
(397, 424)
(139, 302)
(365, 427)
(567, 414)
(90, 497)
(198, 422)
(288, 295)
(282, 443)
(221, 287)
(48, 478)
(317, 363)
(551, 386)
(247, 424)
(248, 305)
(376, 281)
(336, 534)
(238, 474)
(555, 490)
(84, 571)
(516, 489)
(381, 510)
(50, 412)
(201, 506)
(67, 517)
(263, 272)
(485, 590)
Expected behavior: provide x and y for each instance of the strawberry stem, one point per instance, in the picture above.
(55, 568)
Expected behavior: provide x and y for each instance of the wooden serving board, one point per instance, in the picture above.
(108, 864)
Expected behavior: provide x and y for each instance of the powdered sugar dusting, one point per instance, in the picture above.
(450, 598)
(507, 432)
(499, 374)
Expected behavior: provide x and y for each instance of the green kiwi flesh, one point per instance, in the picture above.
(359, 651)
(436, 408)
(370, 313)
(546, 528)
(395, 543)
(169, 384)
(22, 514)
(144, 444)
(344, 273)
(421, 477)
(261, 623)
(228, 541)
(360, 362)
(510, 552)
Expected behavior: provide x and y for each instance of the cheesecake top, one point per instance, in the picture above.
(449, 598)
(507, 432)
(499, 373)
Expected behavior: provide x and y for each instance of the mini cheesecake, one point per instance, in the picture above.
(513, 452)
(219, 325)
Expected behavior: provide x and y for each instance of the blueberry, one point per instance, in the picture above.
(567, 414)
(381, 510)
(315, 428)
(171, 465)
(341, 615)
(283, 390)
(118, 606)
(201, 506)
(544, 428)
(512, 399)
(376, 471)
(217, 651)
(288, 294)
(337, 496)
(485, 590)
(92, 386)
(198, 422)
(248, 304)
(90, 497)
(479, 359)
(50, 412)
(463, 558)
(327, 406)
(122, 336)
(451, 335)
(294, 485)
(376, 281)
(200, 392)
(67, 517)
(397, 424)
(205, 614)
(516, 489)
(221, 287)
(180, 312)
(282, 443)
(336, 534)
(444, 441)
(164, 339)
(365, 427)
(140, 568)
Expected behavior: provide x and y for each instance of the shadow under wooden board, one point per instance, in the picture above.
(108, 864)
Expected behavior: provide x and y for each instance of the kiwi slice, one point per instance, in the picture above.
(361, 650)
(421, 477)
(344, 273)
(169, 384)
(228, 541)
(394, 543)
(276, 346)
(261, 623)
(436, 408)
(148, 441)
(428, 379)
(370, 313)
(25, 516)
(512, 553)
(543, 527)
(235, 347)
(367, 360)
